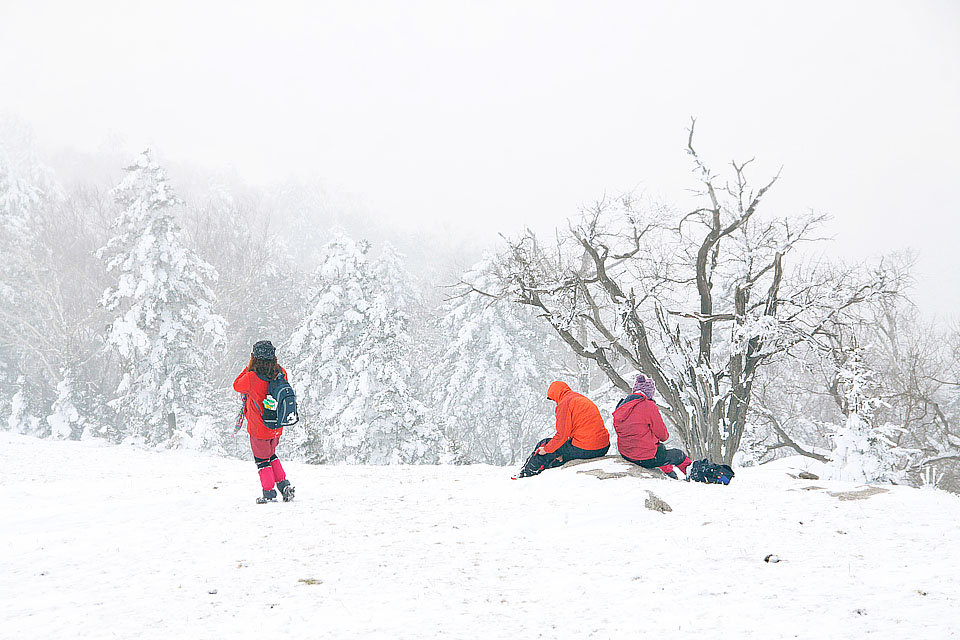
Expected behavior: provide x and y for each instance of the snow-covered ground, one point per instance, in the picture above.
(116, 542)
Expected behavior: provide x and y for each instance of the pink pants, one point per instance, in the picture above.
(268, 465)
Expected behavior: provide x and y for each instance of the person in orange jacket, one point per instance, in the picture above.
(580, 434)
(253, 382)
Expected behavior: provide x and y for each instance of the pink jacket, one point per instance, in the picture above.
(639, 427)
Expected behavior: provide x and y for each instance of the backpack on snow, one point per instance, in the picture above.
(280, 405)
(709, 472)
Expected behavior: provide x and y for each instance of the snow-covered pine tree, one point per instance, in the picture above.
(66, 420)
(351, 365)
(324, 345)
(404, 426)
(27, 187)
(865, 451)
(25, 183)
(260, 293)
(490, 379)
(164, 330)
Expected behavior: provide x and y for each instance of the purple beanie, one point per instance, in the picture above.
(645, 386)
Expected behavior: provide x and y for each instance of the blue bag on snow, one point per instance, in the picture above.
(709, 472)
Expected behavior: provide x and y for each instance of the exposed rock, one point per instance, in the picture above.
(626, 469)
(806, 475)
(605, 475)
(655, 503)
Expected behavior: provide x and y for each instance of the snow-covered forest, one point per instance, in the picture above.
(480, 319)
(133, 291)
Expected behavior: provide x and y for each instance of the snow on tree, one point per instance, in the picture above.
(26, 190)
(351, 364)
(918, 366)
(865, 451)
(163, 328)
(403, 424)
(25, 182)
(491, 375)
(23, 415)
(322, 347)
(259, 291)
(66, 421)
(702, 302)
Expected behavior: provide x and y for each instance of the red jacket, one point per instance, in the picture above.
(255, 387)
(578, 420)
(639, 427)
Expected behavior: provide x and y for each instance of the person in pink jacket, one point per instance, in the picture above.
(254, 383)
(641, 431)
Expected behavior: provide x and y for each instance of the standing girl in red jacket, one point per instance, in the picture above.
(253, 383)
(641, 431)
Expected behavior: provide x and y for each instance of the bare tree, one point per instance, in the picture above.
(921, 385)
(701, 301)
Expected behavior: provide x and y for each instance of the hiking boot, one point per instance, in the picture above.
(673, 474)
(528, 472)
(286, 490)
(268, 496)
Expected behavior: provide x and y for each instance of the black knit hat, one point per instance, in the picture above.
(264, 350)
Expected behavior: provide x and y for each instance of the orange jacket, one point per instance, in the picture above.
(255, 387)
(578, 420)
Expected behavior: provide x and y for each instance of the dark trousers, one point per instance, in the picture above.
(566, 452)
(665, 458)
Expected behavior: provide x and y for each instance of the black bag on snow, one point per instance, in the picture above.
(280, 405)
(709, 472)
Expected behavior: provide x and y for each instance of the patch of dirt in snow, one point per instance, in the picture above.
(859, 494)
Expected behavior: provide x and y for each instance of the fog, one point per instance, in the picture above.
(437, 209)
(477, 118)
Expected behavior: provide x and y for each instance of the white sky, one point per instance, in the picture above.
(491, 115)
